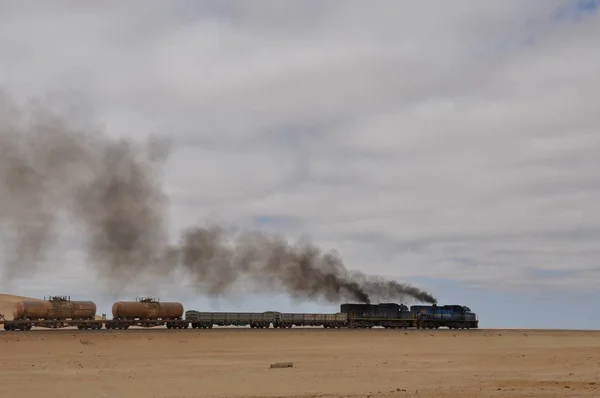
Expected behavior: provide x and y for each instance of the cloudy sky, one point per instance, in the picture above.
(453, 145)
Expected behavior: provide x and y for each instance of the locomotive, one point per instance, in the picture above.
(60, 311)
(387, 315)
(451, 316)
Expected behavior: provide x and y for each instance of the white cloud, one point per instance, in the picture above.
(407, 137)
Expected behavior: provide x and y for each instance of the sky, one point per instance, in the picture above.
(451, 145)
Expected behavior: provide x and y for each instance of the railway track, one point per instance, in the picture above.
(228, 330)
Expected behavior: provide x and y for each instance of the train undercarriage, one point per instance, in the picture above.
(196, 323)
(28, 324)
(91, 324)
(450, 324)
(367, 323)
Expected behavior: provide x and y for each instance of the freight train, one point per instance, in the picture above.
(60, 311)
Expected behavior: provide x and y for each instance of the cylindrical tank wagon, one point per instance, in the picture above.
(54, 308)
(53, 311)
(146, 312)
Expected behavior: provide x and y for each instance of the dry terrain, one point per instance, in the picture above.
(327, 363)
(7, 301)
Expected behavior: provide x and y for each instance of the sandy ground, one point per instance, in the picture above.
(327, 363)
(7, 301)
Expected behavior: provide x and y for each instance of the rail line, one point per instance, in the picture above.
(137, 325)
(227, 331)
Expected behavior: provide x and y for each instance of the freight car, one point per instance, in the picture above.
(450, 316)
(282, 320)
(328, 321)
(53, 312)
(206, 320)
(146, 312)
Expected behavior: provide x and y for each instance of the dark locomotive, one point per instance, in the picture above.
(391, 315)
(451, 316)
(387, 315)
(60, 311)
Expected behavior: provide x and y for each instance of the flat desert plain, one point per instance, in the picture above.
(327, 363)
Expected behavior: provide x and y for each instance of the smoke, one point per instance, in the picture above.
(218, 260)
(121, 206)
(112, 190)
(37, 153)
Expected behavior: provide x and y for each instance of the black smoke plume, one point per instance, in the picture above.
(112, 190)
(219, 260)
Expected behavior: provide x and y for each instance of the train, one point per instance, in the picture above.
(60, 311)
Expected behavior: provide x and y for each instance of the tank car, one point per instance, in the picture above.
(53, 312)
(147, 312)
(54, 308)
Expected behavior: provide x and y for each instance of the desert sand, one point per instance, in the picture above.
(232, 362)
(7, 301)
(327, 363)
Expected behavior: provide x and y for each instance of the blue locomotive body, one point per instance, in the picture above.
(451, 316)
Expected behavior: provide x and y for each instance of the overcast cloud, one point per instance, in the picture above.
(455, 140)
